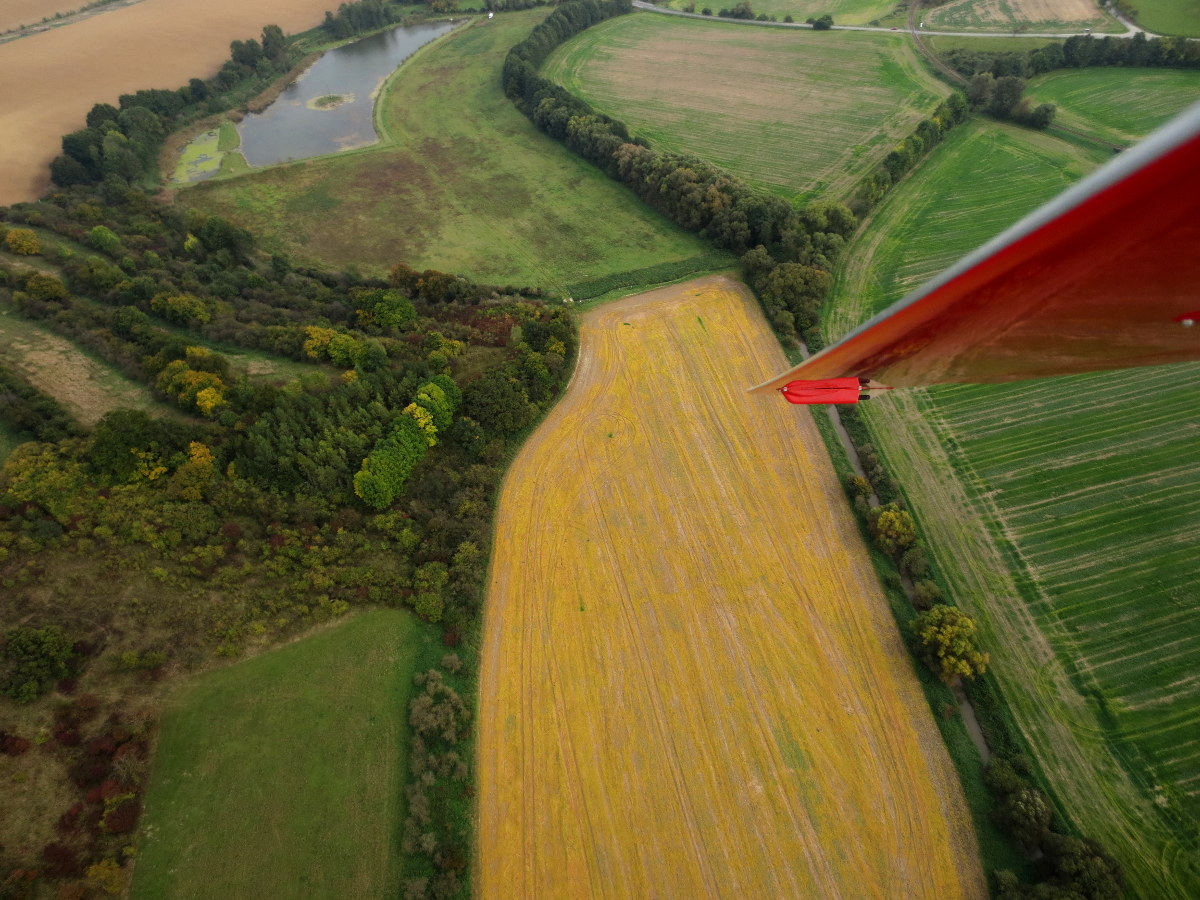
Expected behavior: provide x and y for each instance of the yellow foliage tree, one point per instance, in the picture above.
(107, 875)
(208, 399)
(946, 640)
(425, 420)
(23, 242)
(318, 340)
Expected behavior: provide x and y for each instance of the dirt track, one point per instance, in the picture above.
(691, 686)
(53, 78)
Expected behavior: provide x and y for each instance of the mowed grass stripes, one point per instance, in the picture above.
(1118, 105)
(1083, 489)
(1095, 479)
(800, 113)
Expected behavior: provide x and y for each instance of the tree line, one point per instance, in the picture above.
(794, 248)
(1077, 52)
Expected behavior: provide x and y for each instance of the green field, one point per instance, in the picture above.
(1117, 105)
(1020, 15)
(986, 176)
(461, 182)
(844, 12)
(1180, 17)
(1063, 514)
(280, 776)
(803, 114)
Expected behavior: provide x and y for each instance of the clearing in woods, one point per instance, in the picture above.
(86, 386)
(280, 776)
(62, 72)
(460, 182)
(804, 115)
(691, 684)
(1064, 515)
(1006, 15)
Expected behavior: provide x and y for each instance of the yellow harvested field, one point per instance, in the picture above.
(691, 684)
(57, 75)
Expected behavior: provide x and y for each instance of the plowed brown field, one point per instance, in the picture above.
(15, 13)
(53, 78)
(691, 685)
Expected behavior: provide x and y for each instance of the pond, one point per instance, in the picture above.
(330, 107)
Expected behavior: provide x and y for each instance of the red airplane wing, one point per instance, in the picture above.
(1105, 276)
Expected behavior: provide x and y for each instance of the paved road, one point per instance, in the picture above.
(650, 7)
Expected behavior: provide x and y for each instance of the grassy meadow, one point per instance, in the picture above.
(1117, 105)
(1180, 17)
(281, 776)
(729, 712)
(1062, 514)
(461, 182)
(802, 114)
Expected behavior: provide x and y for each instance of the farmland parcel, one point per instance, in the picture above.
(64, 71)
(1064, 514)
(801, 114)
(691, 685)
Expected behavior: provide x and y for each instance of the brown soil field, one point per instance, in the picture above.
(62, 72)
(15, 13)
(691, 684)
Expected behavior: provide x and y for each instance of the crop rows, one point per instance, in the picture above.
(691, 684)
(1065, 513)
(1094, 479)
(800, 113)
(1119, 108)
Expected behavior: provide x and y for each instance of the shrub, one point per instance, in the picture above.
(926, 593)
(33, 659)
(946, 642)
(23, 242)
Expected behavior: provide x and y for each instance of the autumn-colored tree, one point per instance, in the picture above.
(181, 308)
(23, 242)
(946, 641)
(892, 528)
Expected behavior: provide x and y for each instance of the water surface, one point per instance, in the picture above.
(296, 127)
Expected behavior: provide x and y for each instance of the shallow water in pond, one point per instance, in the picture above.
(329, 108)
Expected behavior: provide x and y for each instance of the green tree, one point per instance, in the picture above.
(1025, 814)
(946, 642)
(33, 659)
